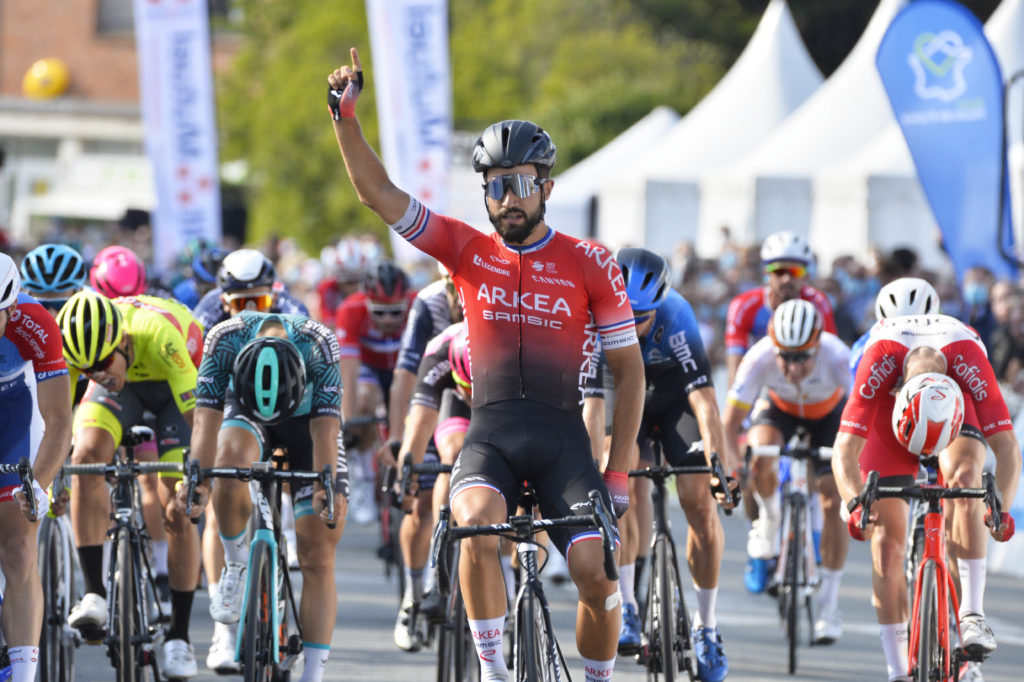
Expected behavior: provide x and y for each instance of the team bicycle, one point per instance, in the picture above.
(228, 367)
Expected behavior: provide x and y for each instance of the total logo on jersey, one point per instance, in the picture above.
(880, 371)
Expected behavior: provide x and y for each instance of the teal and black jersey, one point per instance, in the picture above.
(316, 343)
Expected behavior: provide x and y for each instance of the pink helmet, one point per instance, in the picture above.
(117, 271)
(928, 414)
(458, 358)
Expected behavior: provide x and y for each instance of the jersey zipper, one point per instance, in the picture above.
(519, 309)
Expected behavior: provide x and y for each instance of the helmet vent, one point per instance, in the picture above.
(7, 291)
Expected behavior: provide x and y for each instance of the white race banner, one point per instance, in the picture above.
(411, 79)
(176, 86)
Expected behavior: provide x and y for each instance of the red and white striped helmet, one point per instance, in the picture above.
(928, 414)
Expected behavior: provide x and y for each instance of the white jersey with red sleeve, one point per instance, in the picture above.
(880, 372)
(537, 314)
(813, 398)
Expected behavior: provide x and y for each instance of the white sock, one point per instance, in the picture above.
(413, 585)
(972, 585)
(24, 661)
(706, 601)
(509, 574)
(224, 628)
(769, 509)
(627, 574)
(160, 557)
(894, 645)
(817, 514)
(236, 549)
(487, 638)
(598, 671)
(315, 657)
(828, 597)
(211, 588)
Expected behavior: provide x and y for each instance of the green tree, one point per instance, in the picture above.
(585, 71)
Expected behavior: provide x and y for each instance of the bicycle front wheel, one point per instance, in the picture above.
(790, 592)
(662, 625)
(56, 653)
(126, 629)
(932, 651)
(261, 599)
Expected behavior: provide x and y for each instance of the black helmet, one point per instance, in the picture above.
(269, 379)
(513, 143)
(245, 269)
(646, 275)
(384, 282)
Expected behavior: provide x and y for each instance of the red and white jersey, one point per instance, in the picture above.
(812, 398)
(359, 338)
(31, 350)
(747, 318)
(879, 375)
(537, 314)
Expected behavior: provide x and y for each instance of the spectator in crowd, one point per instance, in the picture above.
(977, 308)
(1006, 345)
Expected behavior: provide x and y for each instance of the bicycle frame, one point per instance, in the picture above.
(795, 501)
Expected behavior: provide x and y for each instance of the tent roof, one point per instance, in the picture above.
(771, 78)
(850, 108)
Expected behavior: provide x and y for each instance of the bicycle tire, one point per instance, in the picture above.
(125, 607)
(664, 597)
(791, 583)
(687, 665)
(56, 654)
(257, 645)
(531, 665)
(930, 659)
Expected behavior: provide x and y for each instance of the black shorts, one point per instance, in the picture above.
(667, 416)
(512, 441)
(293, 437)
(822, 431)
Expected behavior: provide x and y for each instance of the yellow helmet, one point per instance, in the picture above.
(46, 79)
(91, 328)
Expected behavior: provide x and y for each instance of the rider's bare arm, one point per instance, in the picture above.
(55, 409)
(627, 367)
(846, 464)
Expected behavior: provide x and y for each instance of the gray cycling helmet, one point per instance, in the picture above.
(513, 143)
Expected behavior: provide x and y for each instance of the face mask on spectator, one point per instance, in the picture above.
(975, 294)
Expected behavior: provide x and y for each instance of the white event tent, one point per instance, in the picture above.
(570, 209)
(770, 188)
(873, 197)
(655, 200)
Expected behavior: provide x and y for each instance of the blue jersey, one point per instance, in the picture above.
(316, 343)
(209, 311)
(857, 352)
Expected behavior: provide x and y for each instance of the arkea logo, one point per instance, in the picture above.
(938, 63)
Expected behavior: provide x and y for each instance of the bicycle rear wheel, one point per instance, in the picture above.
(126, 629)
(56, 652)
(790, 592)
(932, 653)
(257, 645)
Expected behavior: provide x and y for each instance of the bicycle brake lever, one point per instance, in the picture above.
(994, 504)
(718, 471)
(327, 481)
(190, 492)
(604, 525)
(25, 473)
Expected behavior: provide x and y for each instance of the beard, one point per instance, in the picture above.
(515, 234)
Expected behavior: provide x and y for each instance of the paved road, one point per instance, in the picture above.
(363, 648)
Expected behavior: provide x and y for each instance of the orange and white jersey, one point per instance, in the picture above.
(813, 398)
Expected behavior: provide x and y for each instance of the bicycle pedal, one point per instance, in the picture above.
(92, 634)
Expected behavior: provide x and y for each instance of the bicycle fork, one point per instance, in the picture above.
(945, 594)
(807, 579)
(528, 569)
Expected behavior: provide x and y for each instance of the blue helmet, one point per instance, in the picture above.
(52, 268)
(206, 262)
(647, 277)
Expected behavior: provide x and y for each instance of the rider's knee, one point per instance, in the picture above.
(701, 513)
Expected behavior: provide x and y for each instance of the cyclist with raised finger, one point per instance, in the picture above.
(537, 303)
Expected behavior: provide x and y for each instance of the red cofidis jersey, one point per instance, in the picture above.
(747, 318)
(536, 314)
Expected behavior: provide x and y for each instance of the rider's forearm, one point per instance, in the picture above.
(324, 433)
(421, 423)
(402, 384)
(709, 422)
(205, 429)
(1008, 464)
(55, 409)
(846, 464)
(369, 177)
(593, 419)
(628, 370)
(732, 422)
(349, 371)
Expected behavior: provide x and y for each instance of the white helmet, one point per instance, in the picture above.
(906, 296)
(786, 246)
(795, 325)
(928, 414)
(10, 281)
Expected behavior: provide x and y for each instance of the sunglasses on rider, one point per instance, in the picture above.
(236, 303)
(794, 271)
(104, 364)
(523, 186)
(53, 303)
(380, 311)
(793, 357)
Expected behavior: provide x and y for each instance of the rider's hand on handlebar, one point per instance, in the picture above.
(617, 483)
(320, 505)
(59, 501)
(726, 501)
(42, 502)
(199, 501)
(853, 525)
(1006, 526)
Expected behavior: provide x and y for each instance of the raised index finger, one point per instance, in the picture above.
(356, 64)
